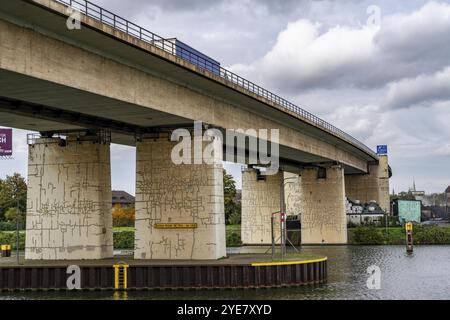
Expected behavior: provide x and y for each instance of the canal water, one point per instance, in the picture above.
(423, 275)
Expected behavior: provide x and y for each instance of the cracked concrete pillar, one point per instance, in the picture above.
(323, 199)
(169, 195)
(260, 198)
(69, 200)
(371, 186)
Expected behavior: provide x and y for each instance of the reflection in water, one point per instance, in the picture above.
(120, 295)
(421, 275)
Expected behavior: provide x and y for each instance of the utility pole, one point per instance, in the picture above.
(17, 230)
(282, 220)
(272, 221)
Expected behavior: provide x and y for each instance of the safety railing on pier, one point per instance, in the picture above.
(94, 11)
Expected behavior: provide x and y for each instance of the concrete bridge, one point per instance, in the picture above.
(113, 82)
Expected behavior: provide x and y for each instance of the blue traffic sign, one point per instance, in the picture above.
(382, 149)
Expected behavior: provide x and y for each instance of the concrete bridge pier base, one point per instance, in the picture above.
(169, 195)
(69, 200)
(323, 216)
(371, 186)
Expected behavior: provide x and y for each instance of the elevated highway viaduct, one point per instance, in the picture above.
(111, 81)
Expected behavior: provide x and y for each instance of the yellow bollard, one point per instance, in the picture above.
(5, 250)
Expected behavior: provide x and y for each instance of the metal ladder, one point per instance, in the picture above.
(120, 276)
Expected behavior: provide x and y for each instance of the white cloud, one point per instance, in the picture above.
(424, 89)
(384, 86)
(306, 55)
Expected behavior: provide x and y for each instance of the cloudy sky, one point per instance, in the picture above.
(379, 70)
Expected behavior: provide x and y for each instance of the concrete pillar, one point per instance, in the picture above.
(168, 193)
(292, 194)
(260, 198)
(323, 199)
(371, 186)
(69, 200)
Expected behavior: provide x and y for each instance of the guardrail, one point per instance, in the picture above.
(94, 11)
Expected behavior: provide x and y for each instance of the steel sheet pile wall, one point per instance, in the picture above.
(167, 277)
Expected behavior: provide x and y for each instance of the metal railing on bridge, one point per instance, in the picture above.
(94, 11)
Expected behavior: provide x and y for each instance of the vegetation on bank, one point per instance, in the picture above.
(9, 237)
(422, 235)
(233, 235)
(364, 235)
(13, 202)
(123, 239)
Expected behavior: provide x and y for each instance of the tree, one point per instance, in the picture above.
(12, 189)
(229, 191)
(11, 215)
(123, 216)
(403, 196)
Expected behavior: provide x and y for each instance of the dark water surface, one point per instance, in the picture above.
(422, 275)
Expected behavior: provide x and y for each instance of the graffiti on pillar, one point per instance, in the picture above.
(323, 217)
(259, 200)
(293, 198)
(69, 202)
(169, 193)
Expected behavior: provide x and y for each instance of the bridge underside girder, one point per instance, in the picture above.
(138, 85)
(37, 117)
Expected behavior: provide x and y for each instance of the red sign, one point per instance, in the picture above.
(5, 142)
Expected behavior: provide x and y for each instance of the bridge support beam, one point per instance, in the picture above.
(260, 198)
(169, 195)
(323, 216)
(371, 186)
(69, 200)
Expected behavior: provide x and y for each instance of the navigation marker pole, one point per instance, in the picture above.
(409, 237)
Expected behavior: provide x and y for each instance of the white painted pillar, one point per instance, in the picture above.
(168, 195)
(323, 199)
(69, 200)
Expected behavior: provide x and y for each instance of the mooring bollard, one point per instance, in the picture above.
(409, 237)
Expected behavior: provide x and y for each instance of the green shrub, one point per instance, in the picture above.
(235, 218)
(11, 239)
(431, 235)
(123, 239)
(10, 226)
(234, 239)
(367, 235)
